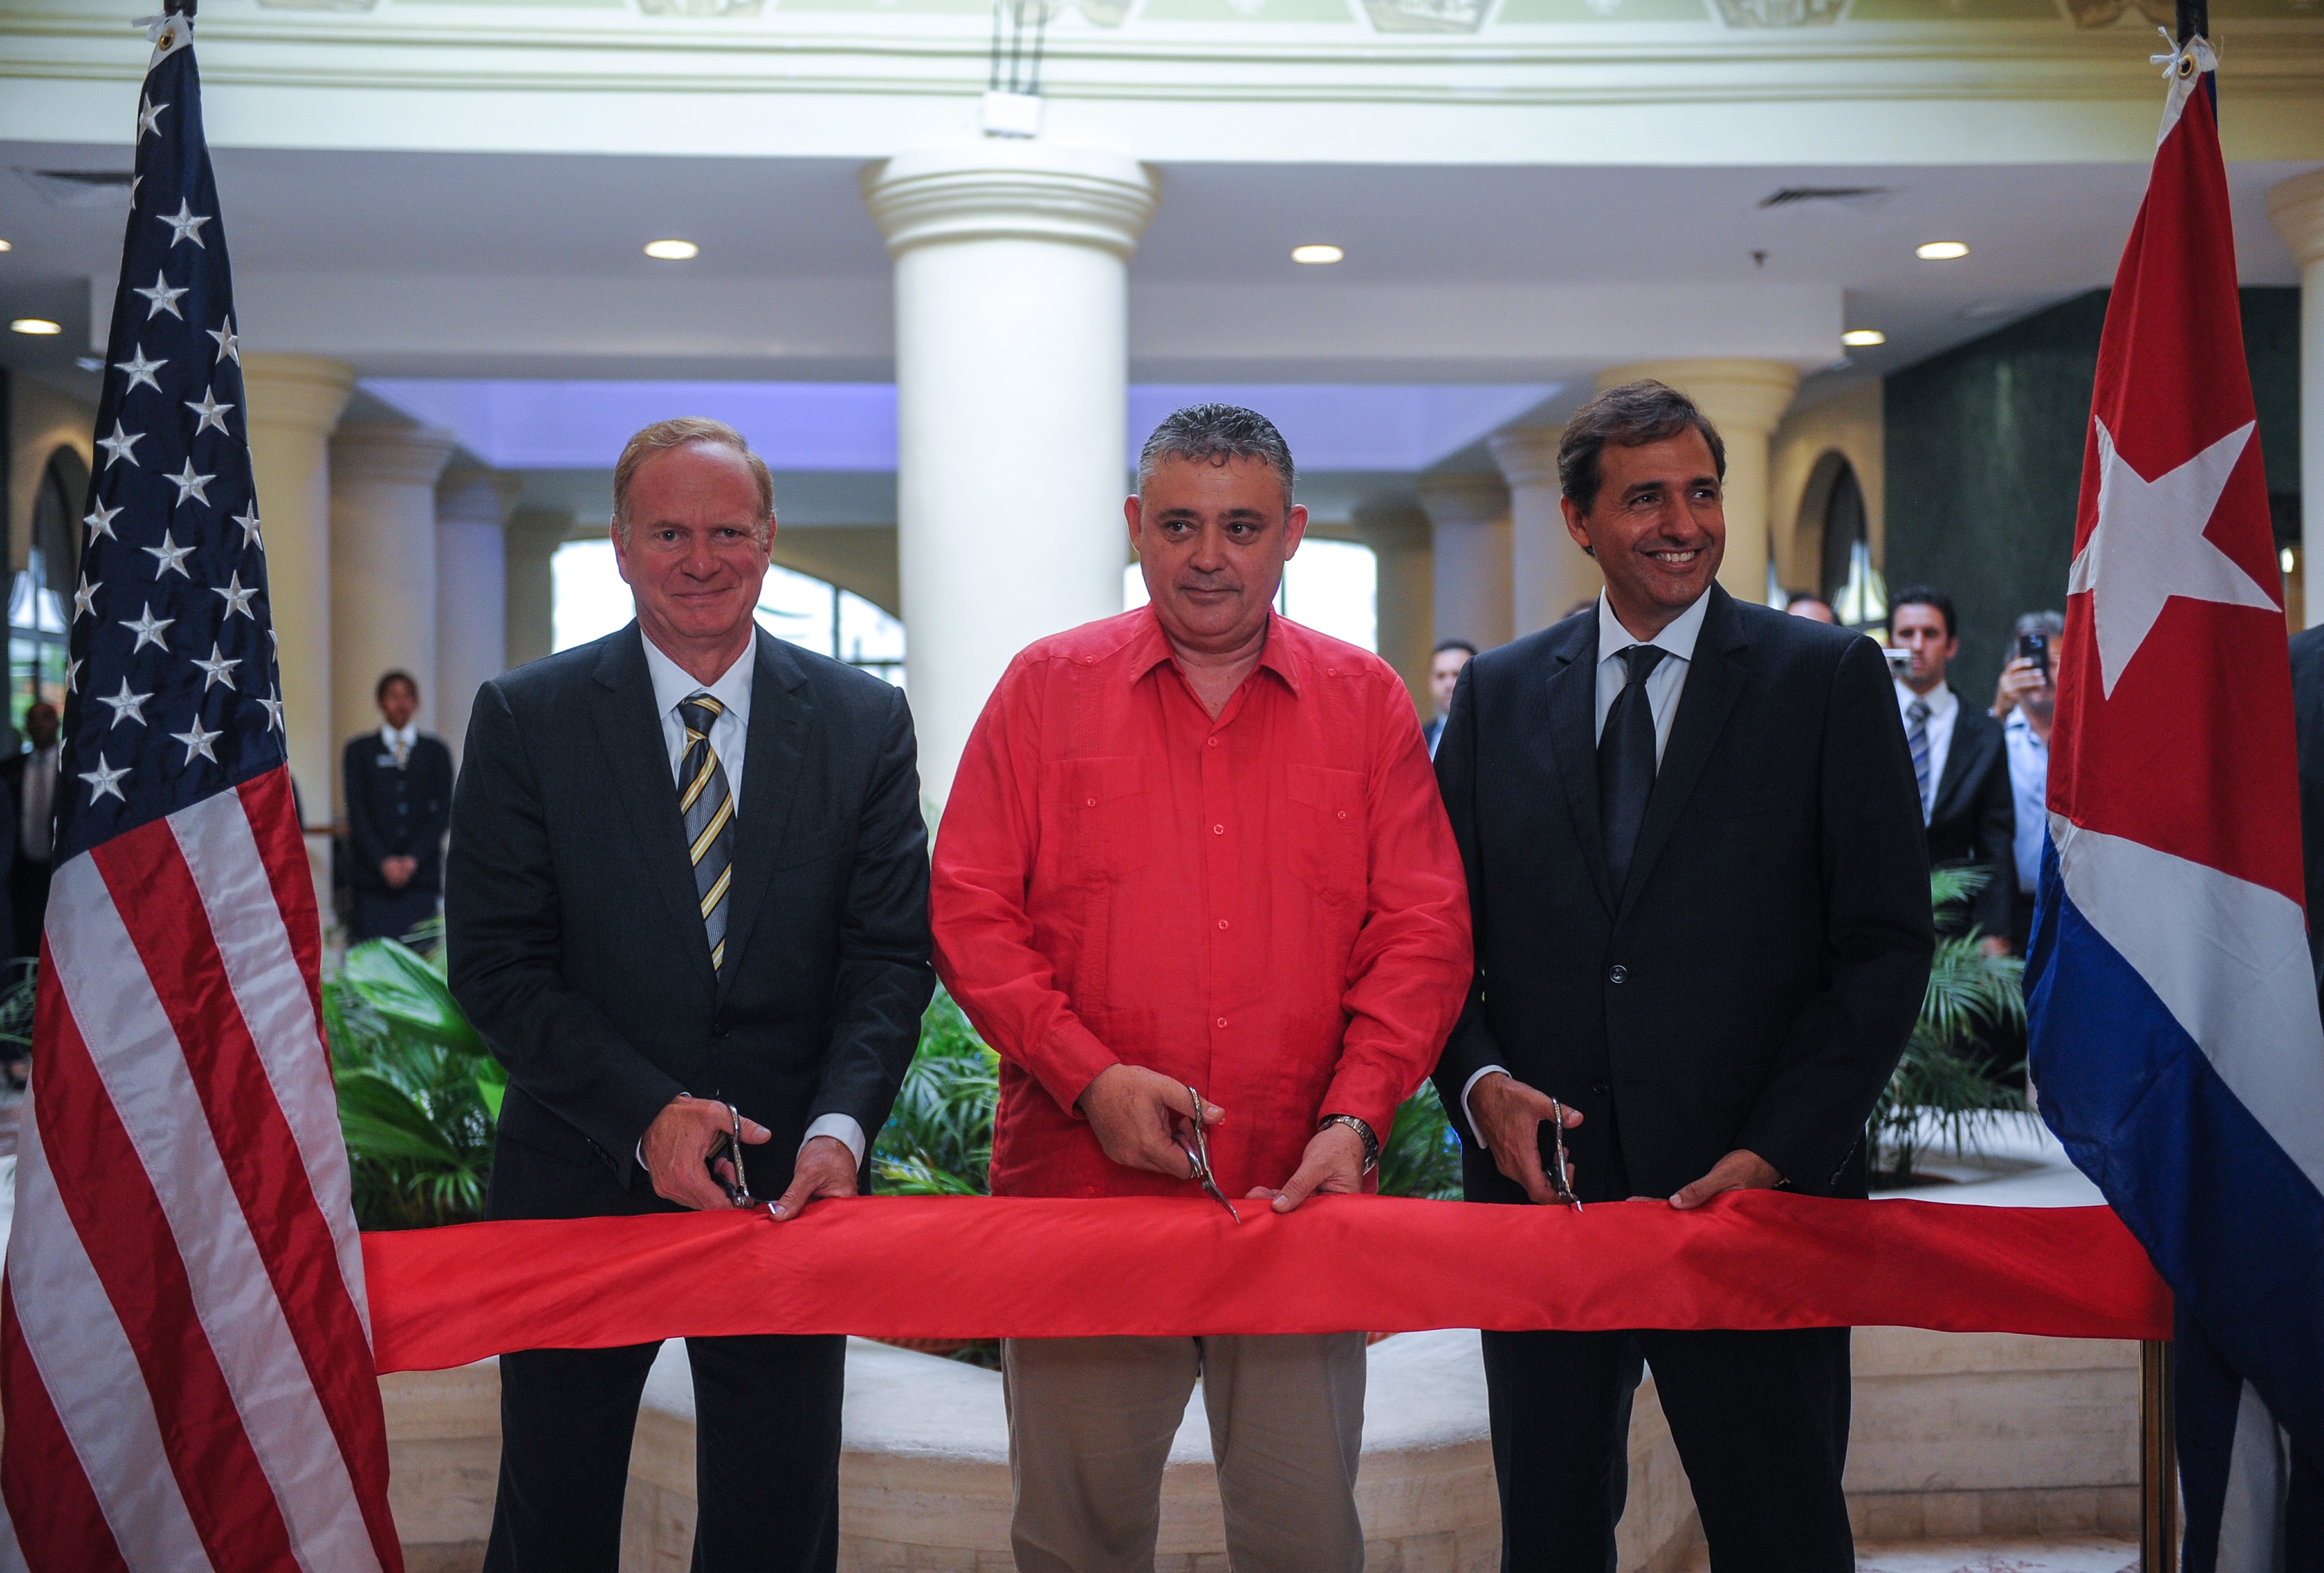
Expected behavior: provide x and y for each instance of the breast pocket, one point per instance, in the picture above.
(1100, 811)
(1328, 843)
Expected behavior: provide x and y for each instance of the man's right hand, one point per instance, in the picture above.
(1132, 1109)
(1509, 1115)
(2024, 678)
(679, 1141)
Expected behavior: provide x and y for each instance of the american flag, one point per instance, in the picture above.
(185, 1354)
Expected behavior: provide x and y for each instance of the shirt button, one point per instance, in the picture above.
(1214, 742)
(1343, 813)
(1601, 1089)
(1330, 671)
(1617, 973)
(1222, 923)
(1093, 803)
(1218, 830)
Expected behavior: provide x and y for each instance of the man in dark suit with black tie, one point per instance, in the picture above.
(399, 789)
(1960, 765)
(1699, 890)
(688, 898)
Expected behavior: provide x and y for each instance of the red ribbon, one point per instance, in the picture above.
(938, 1267)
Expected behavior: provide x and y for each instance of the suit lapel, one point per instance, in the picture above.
(1714, 681)
(637, 758)
(773, 751)
(1965, 755)
(1572, 692)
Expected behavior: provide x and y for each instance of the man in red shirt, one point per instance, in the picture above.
(1198, 847)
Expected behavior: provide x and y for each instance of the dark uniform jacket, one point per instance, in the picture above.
(1973, 820)
(395, 813)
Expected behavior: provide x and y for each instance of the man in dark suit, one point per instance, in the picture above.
(688, 893)
(1960, 762)
(1699, 890)
(30, 777)
(2308, 717)
(1445, 663)
(399, 789)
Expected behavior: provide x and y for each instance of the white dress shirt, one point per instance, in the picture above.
(1945, 705)
(1665, 684)
(2029, 784)
(398, 741)
(729, 734)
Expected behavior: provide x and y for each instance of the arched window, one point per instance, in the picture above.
(37, 622)
(1851, 586)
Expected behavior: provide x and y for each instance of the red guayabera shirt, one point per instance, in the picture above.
(1268, 906)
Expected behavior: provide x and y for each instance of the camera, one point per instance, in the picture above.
(2035, 648)
(1900, 661)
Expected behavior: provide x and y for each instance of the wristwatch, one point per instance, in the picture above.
(1371, 1142)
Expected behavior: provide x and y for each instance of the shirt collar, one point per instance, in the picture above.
(1675, 640)
(673, 683)
(1150, 647)
(405, 738)
(1942, 700)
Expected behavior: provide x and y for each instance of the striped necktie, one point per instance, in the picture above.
(709, 810)
(1916, 736)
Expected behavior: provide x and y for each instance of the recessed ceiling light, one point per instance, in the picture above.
(1860, 338)
(673, 250)
(40, 325)
(1316, 254)
(5, 247)
(1941, 251)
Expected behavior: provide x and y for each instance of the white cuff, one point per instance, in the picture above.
(843, 1128)
(1471, 1113)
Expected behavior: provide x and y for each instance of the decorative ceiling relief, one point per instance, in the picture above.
(1427, 15)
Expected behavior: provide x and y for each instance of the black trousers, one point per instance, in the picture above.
(28, 903)
(1761, 1423)
(766, 1455)
(390, 915)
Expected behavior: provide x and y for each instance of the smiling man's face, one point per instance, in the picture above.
(695, 550)
(1658, 528)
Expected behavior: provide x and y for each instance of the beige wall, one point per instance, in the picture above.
(41, 420)
(1849, 424)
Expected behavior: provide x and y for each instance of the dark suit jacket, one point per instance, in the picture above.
(2308, 715)
(575, 944)
(396, 813)
(1973, 823)
(1754, 985)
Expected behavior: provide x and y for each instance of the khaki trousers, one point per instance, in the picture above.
(1090, 1425)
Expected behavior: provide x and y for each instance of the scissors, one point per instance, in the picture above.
(730, 1147)
(1198, 1158)
(1560, 1190)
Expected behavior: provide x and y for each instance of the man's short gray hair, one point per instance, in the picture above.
(664, 434)
(2051, 624)
(1212, 434)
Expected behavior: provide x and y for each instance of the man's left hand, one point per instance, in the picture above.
(825, 1168)
(1333, 1166)
(1737, 1170)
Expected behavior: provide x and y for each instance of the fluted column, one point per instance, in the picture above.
(295, 402)
(472, 506)
(1469, 519)
(382, 567)
(1404, 595)
(1012, 397)
(2297, 208)
(533, 536)
(1548, 572)
(1745, 400)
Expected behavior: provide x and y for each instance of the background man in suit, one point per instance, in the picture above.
(31, 778)
(1700, 892)
(689, 888)
(1445, 665)
(1959, 763)
(399, 785)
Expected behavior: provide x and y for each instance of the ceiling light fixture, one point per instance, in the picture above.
(40, 326)
(1941, 250)
(1316, 254)
(5, 247)
(672, 251)
(2287, 559)
(1863, 338)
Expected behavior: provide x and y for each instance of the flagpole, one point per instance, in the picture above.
(2158, 1461)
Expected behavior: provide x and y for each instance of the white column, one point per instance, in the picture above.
(2297, 206)
(1403, 596)
(472, 505)
(1011, 401)
(1745, 400)
(1549, 574)
(1469, 519)
(529, 624)
(382, 567)
(295, 401)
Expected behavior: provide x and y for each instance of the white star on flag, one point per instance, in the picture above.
(272, 705)
(228, 344)
(149, 118)
(85, 598)
(172, 555)
(126, 706)
(121, 445)
(101, 517)
(2148, 546)
(163, 298)
(248, 520)
(141, 370)
(185, 223)
(190, 484)
(198, 741)
(148, 628)
(212, 412)
(237, 597)
(72, 676)
(218, 670)
(103, 780)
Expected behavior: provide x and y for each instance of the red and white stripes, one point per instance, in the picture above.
(188, 1370)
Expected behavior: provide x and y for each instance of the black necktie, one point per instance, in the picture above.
(1625, 764)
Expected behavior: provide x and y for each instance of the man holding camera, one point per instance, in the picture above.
(2027, 704)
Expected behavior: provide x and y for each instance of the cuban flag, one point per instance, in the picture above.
(2175, 1039)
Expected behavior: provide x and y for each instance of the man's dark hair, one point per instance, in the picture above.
(1212, 434)
(1927, 595)
(379, 689)
(1452, 644)
(1630, 416)
(2051, 624)
(1792, 595)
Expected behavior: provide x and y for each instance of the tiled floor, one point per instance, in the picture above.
(2094, 1555)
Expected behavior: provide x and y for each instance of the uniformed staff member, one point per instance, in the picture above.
(398, 783)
